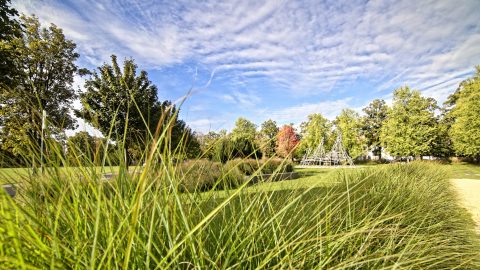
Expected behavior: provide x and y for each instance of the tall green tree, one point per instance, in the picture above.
(244, 129)
(45, 61)
(372, 122)
(465, 115)
(314, 130)
(349, 124)
(411, 127)
(267, 138)
(81, 147)
(243, 138)
(122, 104)
(207, 143)
(10, 29)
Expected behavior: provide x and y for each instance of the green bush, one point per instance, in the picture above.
(202, 175)
(277, 165)
(251, 166)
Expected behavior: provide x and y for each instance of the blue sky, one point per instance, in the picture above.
(275, 59)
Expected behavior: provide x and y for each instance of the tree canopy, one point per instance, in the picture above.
(123, 105)
(45, 61)
(349, 124)
(244, 129)
(372, 122)
(287, 141)
(314, 130)
(10, 28)
(267, 138)
(465, 130)
(411, 125)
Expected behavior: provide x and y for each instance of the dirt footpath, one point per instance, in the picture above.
(469, 191)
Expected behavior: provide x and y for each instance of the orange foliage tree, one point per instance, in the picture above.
(287, 141)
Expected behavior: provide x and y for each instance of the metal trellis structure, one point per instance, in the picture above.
(337, 155)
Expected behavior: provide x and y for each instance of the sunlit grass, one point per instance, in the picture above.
(396, 216)
(402, 216)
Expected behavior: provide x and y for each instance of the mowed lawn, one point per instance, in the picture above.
(464, 171)
(324, 177)
(16, 175)
(308, 177)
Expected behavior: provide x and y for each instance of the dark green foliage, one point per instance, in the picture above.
(252, 166)
(372, 122)
(411, 128)
(225, 149)
(45, 61)
(203, 175)
(266, 139)
(10, 29)
(245, 148)
(464, 116)
(123, 105)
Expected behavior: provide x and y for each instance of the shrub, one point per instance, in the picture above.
(251, 166)
(202, 175)
(277, 165)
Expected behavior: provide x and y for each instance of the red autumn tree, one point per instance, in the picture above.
(287, 141)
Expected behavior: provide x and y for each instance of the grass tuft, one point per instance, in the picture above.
(391, 216)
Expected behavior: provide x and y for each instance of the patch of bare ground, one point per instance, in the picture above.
(469, 193)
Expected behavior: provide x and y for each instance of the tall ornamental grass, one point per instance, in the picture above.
(392, 217)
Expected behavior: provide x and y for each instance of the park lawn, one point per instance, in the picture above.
(310, 176)
(316, 178)
(324, 177)
(400, 215)
(464, 170)
(16, 175)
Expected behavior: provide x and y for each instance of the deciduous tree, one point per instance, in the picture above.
(465, 129)
(244, 129)
(10, 29)
(287, 141)
(45, 60)
(349, 124)
(372, 122)
(267, 138)
(411, 126)
(243, 138)
(314, 130)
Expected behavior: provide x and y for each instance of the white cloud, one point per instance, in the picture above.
(204, 125)
(298, 114)
(302, 46)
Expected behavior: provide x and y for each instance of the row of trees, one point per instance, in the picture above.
(413, 126)
(244, 141)
(38, 67)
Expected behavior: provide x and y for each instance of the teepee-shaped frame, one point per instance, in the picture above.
(337, 156)
(314, 157)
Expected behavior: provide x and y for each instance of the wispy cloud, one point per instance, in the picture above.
(204, 125)
(299, 113)
(299, 47)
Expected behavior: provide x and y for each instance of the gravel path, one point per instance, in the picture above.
(469, 191)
